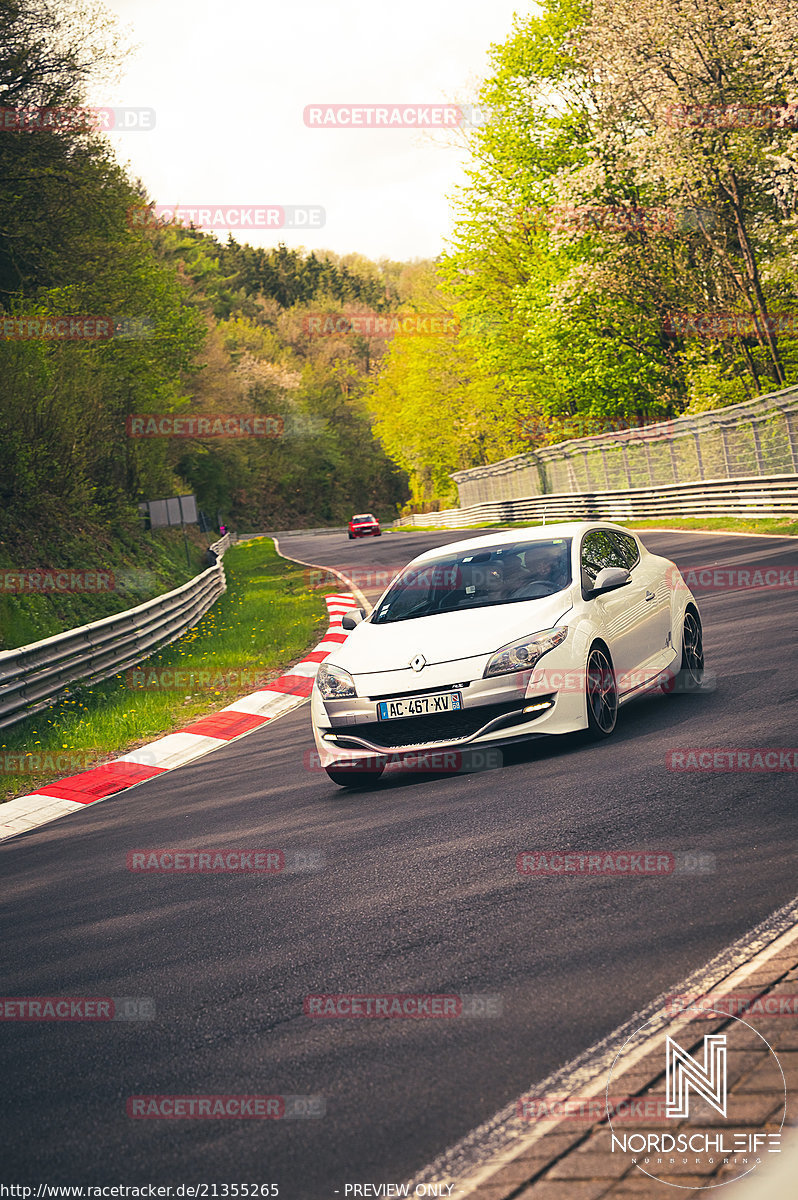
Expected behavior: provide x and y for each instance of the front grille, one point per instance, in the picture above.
(420, 731)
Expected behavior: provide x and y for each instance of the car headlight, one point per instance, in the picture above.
(335, 683)
(522, 654)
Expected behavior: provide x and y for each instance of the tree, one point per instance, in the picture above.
(692, 116)
(436, 410)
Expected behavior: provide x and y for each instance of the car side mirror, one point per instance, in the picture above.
(609, 579)
(352, 619)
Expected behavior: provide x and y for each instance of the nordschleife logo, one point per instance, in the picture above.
(684, 1073)
(700, 1128)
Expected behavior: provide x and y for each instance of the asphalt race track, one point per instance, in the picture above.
(418, 893)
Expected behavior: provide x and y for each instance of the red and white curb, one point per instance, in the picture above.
(209, 733)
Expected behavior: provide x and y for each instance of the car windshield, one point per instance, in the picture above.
(478, 578)
(362, 520)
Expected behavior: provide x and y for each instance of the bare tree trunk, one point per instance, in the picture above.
(752, 270)
(751, 365)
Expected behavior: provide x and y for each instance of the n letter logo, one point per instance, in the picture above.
(683, 1073)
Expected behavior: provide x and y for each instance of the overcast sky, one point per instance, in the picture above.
(229, 84)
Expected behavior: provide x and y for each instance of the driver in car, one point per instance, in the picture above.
(549, 567)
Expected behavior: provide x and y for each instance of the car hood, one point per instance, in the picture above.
(446, 637)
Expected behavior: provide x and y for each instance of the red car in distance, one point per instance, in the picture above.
(364, 525)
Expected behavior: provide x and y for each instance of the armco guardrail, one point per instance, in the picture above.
(776, 496)
(756, 438)
(32, 676)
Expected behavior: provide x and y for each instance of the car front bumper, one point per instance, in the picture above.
(498, 710)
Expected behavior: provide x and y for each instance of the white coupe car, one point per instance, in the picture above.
(504, 637)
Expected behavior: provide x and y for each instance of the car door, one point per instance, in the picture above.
(651, 637)
(620, 615)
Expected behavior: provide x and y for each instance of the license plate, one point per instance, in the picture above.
(419, 706)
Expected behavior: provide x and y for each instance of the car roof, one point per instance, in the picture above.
(529, 533)
(363, 517)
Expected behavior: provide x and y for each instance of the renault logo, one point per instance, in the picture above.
(418, 662)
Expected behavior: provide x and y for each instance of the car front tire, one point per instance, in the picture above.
(601, 694)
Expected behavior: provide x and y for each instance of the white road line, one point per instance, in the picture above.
(361, 599)
(480, 1154)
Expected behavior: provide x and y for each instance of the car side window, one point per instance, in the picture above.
(627, 548)
(599, 550)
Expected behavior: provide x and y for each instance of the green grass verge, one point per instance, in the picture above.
(266, 620)
(781, 527)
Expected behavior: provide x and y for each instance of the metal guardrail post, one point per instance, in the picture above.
(757, 447)
(789, 421)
